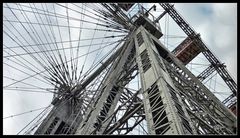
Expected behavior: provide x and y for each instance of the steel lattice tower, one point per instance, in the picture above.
(172, 100)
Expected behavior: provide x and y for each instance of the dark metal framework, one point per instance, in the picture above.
(206, 52)
(171, 99)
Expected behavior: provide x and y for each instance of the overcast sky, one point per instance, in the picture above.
(216, 22)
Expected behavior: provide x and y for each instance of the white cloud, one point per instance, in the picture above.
(226, 13)
(217, 24)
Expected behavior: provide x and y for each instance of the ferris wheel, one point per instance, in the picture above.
(52, 50)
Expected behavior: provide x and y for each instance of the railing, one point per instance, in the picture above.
(138, 10)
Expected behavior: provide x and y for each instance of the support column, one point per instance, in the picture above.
(164, 110)
(111, 91)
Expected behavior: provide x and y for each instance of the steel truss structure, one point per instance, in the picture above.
(171, 100)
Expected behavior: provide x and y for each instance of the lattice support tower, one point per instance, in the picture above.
(174, 101)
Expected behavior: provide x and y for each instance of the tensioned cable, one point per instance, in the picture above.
(26, 84)
(96, 56)
(87, 72)
(108, 15)
(27, 66)
(23, 72)
(70, 18)
(59, 69)
(34, 52)
(34, 30)
(78, 113)
(65, 68)
(71, 41)
(58, 107)
(34, 119)
(24, 113)
(71, 52)
(98, 19)
(26, 50)
(79, 38)
(78, 12)
(99, 51)
(31, 88)
(109, 30)
(64, 101)
(27, 91)
(111, 36)
(85, 59)
(99, 13)
(100, 62)
(56, 46)
(21, 42)
(105, 57)
(167, 28)
(216, 81)
(56, 73)
(62, 63)
(35, 125)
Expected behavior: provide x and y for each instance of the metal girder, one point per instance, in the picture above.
(125, 6)
(159, 17)
(174, 100)
(117, 15)
(186, 50)
(222, 71)
(202, 98)
(125, 78)
(199, 92)
(111, 91)
(178, 19)
(75, 115)
(206, 52)
(132, 106)
(208, 71)
(91, 77)
(70, 113)
(195, 89)
(228, 98)
(59, 115)
(164, 110)
(124, 119)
